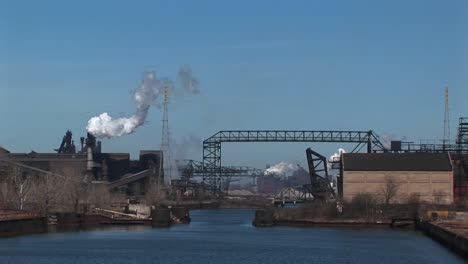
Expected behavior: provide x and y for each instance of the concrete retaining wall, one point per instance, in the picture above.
(263, 217)
(23, 226)
(181, 214)
(449, 239)
(161, 217)
(73, 219)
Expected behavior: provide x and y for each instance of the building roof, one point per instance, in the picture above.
(396, 162)
(3, 150)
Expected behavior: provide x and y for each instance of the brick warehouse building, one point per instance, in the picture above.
(426, 175)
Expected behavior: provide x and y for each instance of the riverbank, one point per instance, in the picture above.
(13, 223)
(451, 234)
(16, 227)
(280, 217)
(342, 223)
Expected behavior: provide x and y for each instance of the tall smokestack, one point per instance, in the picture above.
(90, 144)
(82, 144)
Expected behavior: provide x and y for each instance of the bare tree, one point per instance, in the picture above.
(99, 196)
(19, 184)
(3, 194)
(414, 198)
(154, 193)
(48, 192)
(390, 189)
(74, 192)
(439, 197)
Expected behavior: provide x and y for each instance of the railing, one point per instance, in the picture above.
(17, 215)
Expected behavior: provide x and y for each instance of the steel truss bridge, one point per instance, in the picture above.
(192, 168)
(213, 170)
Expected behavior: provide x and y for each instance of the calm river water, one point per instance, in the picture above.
(226, 236)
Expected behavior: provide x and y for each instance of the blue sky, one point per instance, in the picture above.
(318, 65)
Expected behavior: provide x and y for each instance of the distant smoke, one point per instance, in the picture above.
(335, 158)
(337, 155)
(185, 145)
(188, 81)
(180, 149)
(386, 139)
(104, 126)
(282, 169)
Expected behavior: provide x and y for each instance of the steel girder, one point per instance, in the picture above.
(212, 146)
(192, 168)
(319, 185)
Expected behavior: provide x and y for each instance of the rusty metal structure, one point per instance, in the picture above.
(319, 186)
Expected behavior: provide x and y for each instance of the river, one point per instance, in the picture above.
(225, 236)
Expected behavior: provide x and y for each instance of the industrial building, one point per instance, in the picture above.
(418, 169)
(428, 176)
(89, 164)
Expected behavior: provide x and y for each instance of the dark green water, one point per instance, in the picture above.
(226, 236)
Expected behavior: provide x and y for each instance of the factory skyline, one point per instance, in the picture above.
(320, 69)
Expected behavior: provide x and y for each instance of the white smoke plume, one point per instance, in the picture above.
(337, 155)
(335, 158)
(282, 169)
(104, 126)
(184, 146)
(188, 81)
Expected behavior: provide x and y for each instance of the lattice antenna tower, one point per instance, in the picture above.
(165, 138)
(446, 139)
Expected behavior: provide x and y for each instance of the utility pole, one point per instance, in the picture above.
(446, 139)
(165, 139)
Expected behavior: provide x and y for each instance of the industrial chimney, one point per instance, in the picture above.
(90, 145)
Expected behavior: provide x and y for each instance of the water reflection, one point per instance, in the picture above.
(225, 236)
